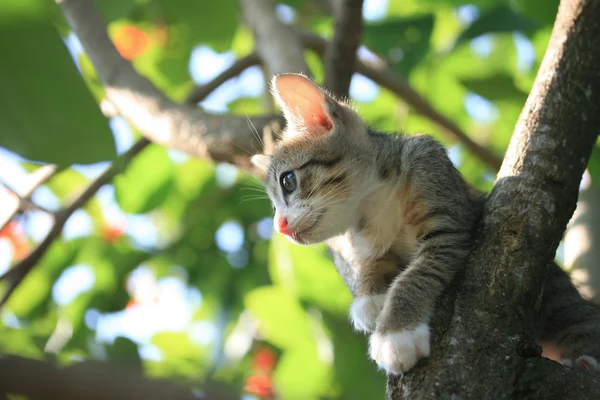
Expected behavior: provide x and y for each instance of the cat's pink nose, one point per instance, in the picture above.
(283, 229)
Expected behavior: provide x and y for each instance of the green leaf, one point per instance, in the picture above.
(350, 360)
(193, 176)
(315, 64)
(446, 28)
(310, 273)
(500, 86)
(594, 165)
(247, 106)
(211, 22)
(19, 342)
(31, 297)
(32, 292)
(495, 20)
(439, 86)
(386, 113)
(47, 112)
(91, 78)
(243, 41)
(146, 183)
(282, 319)
(115, 9)
(541, 11)
(182, 358)
(465, 63)
(406, 6)
(125, 351)
(404, 41)
(302, 374)
(164, 59)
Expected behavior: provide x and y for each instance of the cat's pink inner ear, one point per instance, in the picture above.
(302, 98)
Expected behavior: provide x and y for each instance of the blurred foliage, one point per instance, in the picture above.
(264, 316)
(36, 67)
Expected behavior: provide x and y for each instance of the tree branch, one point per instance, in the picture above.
(340, 56)
(16, 274)
(38, 178)
(379, 74)
(94, 380)
(24, 203)
(199, 93)
(484, 326)
(277, 44)
(182, 127)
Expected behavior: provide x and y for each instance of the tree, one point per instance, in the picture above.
(483, 344)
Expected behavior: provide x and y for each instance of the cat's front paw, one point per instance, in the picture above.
(582, 363)
(398, 351)
(365, 310)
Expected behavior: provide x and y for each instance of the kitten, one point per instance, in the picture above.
(394, 211)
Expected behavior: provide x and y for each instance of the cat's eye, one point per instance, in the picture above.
(288, 182)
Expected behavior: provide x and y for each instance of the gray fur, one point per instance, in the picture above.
(399, 220)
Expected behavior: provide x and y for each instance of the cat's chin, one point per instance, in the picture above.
(311, 237)
(303, 239)
(302, 242)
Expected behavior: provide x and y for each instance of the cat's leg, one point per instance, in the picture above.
(569, 321)
(373, 280)
(402, 334)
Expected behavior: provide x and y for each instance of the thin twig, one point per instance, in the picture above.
(199, 93)
(379, 74)
(38, 178)
(16, 274)
(340, 56)
(25, 203)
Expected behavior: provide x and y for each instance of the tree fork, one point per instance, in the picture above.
(483, 343)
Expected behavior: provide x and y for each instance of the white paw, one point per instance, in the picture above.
(583, 362)
(365, 310)
(399, 351)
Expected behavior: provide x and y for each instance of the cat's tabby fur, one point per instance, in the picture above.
(395, 209)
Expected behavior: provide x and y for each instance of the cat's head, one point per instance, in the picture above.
(317, 173)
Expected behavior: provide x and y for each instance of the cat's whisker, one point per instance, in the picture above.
(245, 200)
(254, 131)
(243, 149)
(254, 189)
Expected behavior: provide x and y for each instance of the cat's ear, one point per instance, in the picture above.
(261, 161)
(303, 103)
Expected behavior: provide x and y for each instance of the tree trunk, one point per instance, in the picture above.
(483, 344)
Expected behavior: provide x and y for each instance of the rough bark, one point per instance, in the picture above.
(483, 343)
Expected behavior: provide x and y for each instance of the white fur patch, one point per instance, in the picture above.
(398, 352)
(567, 362)
(582, 363)
(587, 362)
(365, 310)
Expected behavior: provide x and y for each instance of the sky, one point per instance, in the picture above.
(168, 303)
